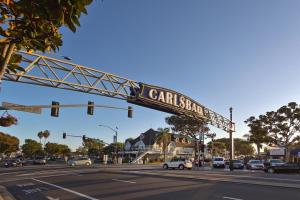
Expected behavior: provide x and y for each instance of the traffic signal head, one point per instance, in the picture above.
(202, 147)
(55, 109)
(83, 138)
(90, 108)
(130, 112)
(64, 135)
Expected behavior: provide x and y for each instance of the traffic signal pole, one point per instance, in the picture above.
(231, 136)
(115, 137)
(55, 108)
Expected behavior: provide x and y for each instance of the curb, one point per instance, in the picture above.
(4, 194)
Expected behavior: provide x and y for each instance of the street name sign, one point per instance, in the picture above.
(31, 109)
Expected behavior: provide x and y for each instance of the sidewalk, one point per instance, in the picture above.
(4, 194)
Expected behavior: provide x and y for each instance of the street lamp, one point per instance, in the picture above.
(115, 137)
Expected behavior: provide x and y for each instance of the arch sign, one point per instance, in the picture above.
(51, 72)
(172, 102)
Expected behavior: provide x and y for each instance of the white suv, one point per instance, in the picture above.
(219, 162)
(180, 163)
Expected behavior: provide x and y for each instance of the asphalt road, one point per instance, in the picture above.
(148, 182)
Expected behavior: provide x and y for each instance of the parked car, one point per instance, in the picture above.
(285, 168)
(274, 162)
(237, 164)
(39, 161)
(180, 163)
(13, 163)
(80, 161)
(255, 164)
(218, 162)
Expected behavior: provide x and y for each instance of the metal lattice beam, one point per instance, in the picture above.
(50, 72)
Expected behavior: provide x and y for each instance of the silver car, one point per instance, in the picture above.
(255, 164)
(80, 161)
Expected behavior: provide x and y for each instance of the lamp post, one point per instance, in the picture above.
(115, 138)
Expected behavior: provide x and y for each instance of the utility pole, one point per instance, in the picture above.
(231, 137)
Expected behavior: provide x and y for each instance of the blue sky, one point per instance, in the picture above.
(243, 54)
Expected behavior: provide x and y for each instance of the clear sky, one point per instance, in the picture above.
(243, 54)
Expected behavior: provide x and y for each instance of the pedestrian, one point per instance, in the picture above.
(231, 165)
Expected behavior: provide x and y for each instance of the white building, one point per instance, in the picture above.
(145, 147)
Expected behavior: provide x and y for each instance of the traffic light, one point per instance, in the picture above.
(90, 108)
(55, 109)
(202, 146)
(130, 112)
(83, 138)
(64, 135)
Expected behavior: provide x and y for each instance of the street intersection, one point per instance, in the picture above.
(112, 182)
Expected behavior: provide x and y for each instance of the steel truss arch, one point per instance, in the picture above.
(51, 72)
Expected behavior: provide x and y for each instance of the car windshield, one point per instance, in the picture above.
(276, 161)
(255, 162)
(218, 159)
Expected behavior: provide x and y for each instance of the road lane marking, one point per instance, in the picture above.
(66, 189)
(25, 184)
(32, 190)
(44, 172)
(221, 175)
(123, 181)
(231, 198)
(51, 198)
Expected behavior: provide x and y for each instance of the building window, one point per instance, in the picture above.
(189, 141)
(177, 140)
(183, 140)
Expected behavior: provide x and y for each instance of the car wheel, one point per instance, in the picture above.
(73, 164)
(87, 164)
(270, 170)
(165, 166)
(181, 167)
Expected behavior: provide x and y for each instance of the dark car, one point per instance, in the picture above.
(13, 163)
(237, 164)
(285, 168)
(274, 162)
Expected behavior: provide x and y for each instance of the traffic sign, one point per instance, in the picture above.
(12, 106)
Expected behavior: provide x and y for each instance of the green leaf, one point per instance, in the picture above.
(70, 25)
(16, 58)
(75, 20)
(20, 68)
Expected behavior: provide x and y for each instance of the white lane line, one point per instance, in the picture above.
(231, 198)
(66, 189)
(122, 181)
(44, 172)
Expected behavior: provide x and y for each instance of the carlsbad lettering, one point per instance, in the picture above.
(173, 99)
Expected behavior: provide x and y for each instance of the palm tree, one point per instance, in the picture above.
(164, 138)
(40, 135)
(46, 134)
